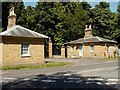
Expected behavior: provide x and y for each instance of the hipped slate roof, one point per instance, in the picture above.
(93, 39)
(20, 31)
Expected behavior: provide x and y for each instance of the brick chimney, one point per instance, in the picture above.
(11, 18)
(88, 31)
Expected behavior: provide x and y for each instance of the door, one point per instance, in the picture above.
(80, 50)
(65, 52)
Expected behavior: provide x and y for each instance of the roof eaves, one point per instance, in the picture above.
(21, 36)
(8, 30)
(109, 41)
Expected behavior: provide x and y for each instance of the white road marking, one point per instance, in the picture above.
(97, 69)
(9, 78)
(35, 79)
(48, 80)
(109, 83)
(99, 79)
(74, 78)
(25, 79)
(113, 80)
(99, 83)
(68, 74)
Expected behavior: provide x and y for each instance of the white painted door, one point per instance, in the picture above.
(80, 50)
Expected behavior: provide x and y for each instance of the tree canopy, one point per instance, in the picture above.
(19, 10)
(65, 21)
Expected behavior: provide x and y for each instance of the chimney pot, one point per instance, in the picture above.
(90, 27)
(86, 26)
(88, 31)
(11, 18)
(11, 12)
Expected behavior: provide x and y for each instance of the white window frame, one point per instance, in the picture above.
(25, 48)
(91, 48)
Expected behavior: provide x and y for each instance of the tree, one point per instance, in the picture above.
(116, 34)
(103, 5)
(118, 10)
(29, 18)
(87, 8)
(0, 16)
(104, 20)
(19, 10)
(62, 21)
(75, 22)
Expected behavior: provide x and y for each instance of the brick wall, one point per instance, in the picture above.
(86, 51)
(50, 49)
(11, 21)
(100, 51)
(63, 52)
(112, 48)
(1, 54)
(76, 51)
(68, 52)
(88, 33)
(12, 50)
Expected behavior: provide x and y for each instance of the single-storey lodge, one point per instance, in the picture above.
(90, 47)
(19, 45)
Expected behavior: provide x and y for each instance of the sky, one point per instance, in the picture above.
(113, 3)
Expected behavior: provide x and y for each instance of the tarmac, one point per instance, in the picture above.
(80, 61)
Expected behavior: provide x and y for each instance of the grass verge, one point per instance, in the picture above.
(35, 66)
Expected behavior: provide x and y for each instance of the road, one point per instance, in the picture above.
(82, 74)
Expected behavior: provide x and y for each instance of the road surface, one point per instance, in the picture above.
(82, 74)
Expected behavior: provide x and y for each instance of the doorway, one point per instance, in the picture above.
(81, 50)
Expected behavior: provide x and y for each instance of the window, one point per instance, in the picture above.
(91, 48)
(81, 47)
(25, 50)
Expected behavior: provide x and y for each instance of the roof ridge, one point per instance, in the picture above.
(98, 38)
(107, 39)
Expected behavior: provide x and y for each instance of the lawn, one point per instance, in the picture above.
(46, 65)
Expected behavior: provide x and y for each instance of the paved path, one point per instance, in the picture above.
(81, 61)
(83, 74)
